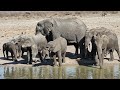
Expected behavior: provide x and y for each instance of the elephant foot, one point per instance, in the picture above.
(29, 63)
(15, 60)
(63, 61)
(110, 59)
(60, 65)
(54, 65)
(97, 64)
(101, 67)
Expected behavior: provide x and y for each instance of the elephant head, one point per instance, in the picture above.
(27, 42)
(53, 46)
(24, 40)
(44, 27)
(45, 53)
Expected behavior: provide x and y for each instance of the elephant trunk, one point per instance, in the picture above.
(85, 52)
(99, 50)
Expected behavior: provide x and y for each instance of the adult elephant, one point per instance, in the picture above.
(72, 29)
(105, 41)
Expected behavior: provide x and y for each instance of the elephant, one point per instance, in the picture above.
(12, 48)
(58, 47)
(20, 49)
(72, 29)
(34, 44)
(105, 41)
(90, 46)
(102, 41)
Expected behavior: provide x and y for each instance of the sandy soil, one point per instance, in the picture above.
(13, 26)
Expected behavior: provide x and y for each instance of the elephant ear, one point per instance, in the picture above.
(57, 47)
(48, 25)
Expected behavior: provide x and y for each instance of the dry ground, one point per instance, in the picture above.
(13, 26)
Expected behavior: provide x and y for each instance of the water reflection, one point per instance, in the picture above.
(64, 72)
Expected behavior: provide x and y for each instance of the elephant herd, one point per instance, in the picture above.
(54, 34)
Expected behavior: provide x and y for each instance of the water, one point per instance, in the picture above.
(64, 72)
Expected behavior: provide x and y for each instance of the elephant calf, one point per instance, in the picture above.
(58, 47)
(34, 44)
(12, 48)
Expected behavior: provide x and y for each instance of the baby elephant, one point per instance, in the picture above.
(58, 47)
(12, 48)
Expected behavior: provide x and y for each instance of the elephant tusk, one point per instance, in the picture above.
(90, 47)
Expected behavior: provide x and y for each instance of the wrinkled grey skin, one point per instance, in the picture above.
(58, 47)
(20, 49)
(90, 50)
(102, 42)
(34, 44)
(12, 48)
(105, 41)
(72, 29)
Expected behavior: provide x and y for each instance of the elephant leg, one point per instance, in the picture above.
(64, 54)
(12, 55)
(111, 55)
(54, 58)
(7, 54)
(4, 52)
(82, 47)
(29, 55)
(82, 50)
(102, 55)
(59, 58)
(40, 57)
(20, 53)
(118, 52)
(76, 48)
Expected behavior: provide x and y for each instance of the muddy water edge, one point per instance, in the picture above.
(64, 72)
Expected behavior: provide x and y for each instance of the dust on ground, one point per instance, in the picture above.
(11, 26)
